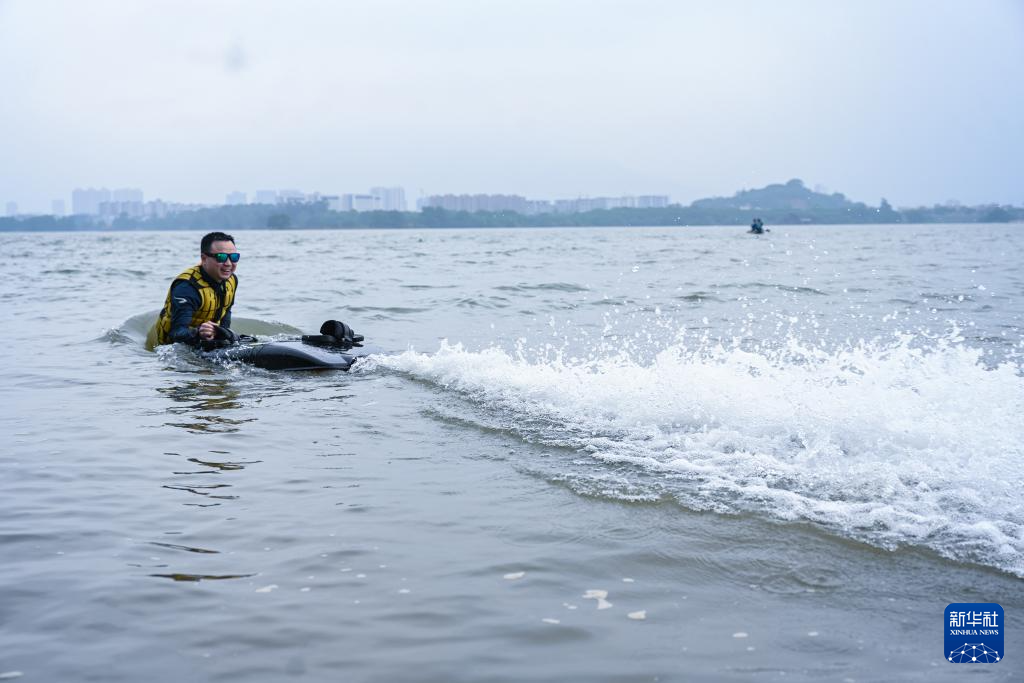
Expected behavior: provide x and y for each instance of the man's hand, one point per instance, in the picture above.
(207, 330)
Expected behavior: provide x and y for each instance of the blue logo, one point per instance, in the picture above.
(974, 633)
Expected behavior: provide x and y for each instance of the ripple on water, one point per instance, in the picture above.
(201, 577)
(189, 549)
(544, 287)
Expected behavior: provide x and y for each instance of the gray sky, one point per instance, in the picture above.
(919, 101)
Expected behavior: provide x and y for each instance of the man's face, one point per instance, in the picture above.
(219, 271)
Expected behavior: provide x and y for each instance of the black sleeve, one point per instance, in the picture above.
(185, 301)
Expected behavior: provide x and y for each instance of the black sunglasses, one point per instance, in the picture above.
(221, 258)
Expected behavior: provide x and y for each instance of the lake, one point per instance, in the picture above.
(628, 454)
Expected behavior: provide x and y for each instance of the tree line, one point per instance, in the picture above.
(319, 216)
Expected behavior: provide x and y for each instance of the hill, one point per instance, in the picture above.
(793, 195)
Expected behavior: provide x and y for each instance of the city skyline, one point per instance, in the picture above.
(111, 203)
(90, 200)
(194, 100)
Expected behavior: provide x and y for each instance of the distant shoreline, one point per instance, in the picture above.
(744, 229)
(791, 203)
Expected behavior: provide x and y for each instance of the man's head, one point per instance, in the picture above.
(217, 268)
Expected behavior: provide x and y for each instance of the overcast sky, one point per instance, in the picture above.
(919, 101)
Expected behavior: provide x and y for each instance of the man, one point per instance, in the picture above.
(200, 299)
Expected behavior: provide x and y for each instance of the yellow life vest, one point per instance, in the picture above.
(211, 308)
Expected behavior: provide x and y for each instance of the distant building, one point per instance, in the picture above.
(58, 207)
(536, 206)
(290, 197)
(362, 202)
(475, 202)
(265, 197)
(501, 202)
(331, 200)
(584, 204)
(131, 209)
(12, 208)
(652, 201)
(235, 198)
(157, 208)
(567, 206)
(87, 201)
(389, 198)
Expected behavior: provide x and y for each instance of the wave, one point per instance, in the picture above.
(905, 442)
(544, 287)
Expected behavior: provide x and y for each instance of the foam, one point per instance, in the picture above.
(906, 441)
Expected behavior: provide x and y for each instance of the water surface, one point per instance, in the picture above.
(775, 457)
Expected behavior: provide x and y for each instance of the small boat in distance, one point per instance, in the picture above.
(757, 227)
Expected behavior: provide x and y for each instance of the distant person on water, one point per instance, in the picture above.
(757, 227)
(200, 299)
